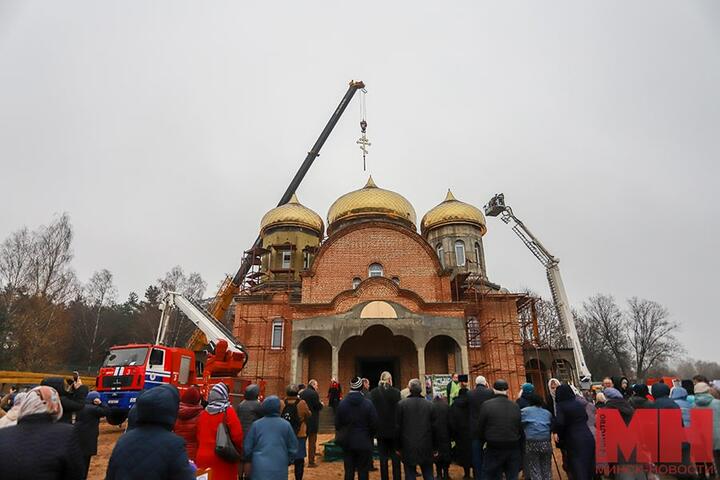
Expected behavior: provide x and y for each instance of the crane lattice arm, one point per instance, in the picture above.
(496, 207)
(231, 286)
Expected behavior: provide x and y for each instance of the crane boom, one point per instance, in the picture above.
(231, 285)
(213, 330)
(496, 207)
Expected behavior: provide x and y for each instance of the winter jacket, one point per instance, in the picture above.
(207, 428)
(303, 414)
(638, 402)
(679, 396)
(441, 429)
(312, 399)
(38, 449)
(705, 400)
(622, 406)
(537, 422)
(356, 420)
(476, 398)
(415, 419)
(661, 392)
(459, 431)
(248, 411)
(575, 438)
(186, 427)
(70, 402)
(151, 450)
(270, 445)
(87, 425)
(499, 423)
(524, 400)
(385, 398)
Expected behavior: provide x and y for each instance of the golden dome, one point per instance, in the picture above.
(452, 210)
(371, 201)
(292, 214)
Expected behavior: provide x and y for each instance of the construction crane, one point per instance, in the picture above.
(496, 207)
(232, 285)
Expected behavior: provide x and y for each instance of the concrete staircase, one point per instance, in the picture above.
(327, 420)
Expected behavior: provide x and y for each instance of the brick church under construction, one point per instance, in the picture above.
(375, 295)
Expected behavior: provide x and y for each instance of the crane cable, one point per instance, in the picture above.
(363, 140)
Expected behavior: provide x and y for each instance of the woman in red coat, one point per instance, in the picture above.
(187, 420)
(214, 414)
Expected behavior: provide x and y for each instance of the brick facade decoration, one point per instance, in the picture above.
(376, 297)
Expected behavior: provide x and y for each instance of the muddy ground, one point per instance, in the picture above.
(324, 471)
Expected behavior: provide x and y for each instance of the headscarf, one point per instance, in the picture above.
(612, 393)
(18, 399)
(252, 392)
(550, 389)
(218, 399)
(678, 393)
(564, 393)
(41, 399)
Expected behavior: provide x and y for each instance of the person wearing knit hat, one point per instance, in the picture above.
(217, 412)
(87, 423)
(500, 387)
(355, 426)
(526, 391)
(187, 419)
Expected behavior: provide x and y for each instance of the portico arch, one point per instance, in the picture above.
(442, 355)
(314, 360)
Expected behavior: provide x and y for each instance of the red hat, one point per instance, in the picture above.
(191, 396)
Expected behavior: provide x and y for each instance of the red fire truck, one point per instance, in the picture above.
(130, 369)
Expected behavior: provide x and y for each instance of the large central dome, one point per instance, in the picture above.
(371, 202)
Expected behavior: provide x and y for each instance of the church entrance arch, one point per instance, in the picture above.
(375, 351)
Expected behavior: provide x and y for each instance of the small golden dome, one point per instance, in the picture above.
(371, 201)
(292, 214)
(452, 210)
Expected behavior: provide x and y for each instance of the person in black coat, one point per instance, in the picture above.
(477, 397)
(355, 426)
(573, 434)
(639, 398)
(460, 433)
(151, 449)
(39, 447)
(442, 437)
(71, 401)
(87, 424)
(501, 429)
(415, 419)
(385, 398)
(311, 397)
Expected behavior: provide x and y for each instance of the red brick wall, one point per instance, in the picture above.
(402, 254)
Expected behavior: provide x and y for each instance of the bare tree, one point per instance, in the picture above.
(193, 287)
(651, 335)
(100, 293)
(601, 313)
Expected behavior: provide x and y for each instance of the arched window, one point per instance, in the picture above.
(277, 334)
(375, 270)
(460, 253)
(396, 280)
(356, 282)
(440, 253)
(477, 253)
(473, 332)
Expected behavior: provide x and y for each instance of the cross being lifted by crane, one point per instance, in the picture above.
(496, 207)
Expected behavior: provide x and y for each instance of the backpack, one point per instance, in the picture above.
(290, 413)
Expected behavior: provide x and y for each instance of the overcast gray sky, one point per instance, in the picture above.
(166, 129)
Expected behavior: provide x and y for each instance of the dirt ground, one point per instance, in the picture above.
(324, 471)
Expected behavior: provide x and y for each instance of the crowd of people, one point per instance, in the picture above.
(51, 431)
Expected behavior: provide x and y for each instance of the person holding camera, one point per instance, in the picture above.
(87, 423)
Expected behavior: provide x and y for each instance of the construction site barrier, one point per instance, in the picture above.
(9, 378)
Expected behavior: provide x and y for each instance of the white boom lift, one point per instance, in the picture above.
(496, 207)
(201, 318)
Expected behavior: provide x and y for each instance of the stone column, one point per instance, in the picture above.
(294, 371)
(465, 360)
(335, 363)
(421, 364)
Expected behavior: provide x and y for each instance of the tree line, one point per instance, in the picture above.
(50, 319)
